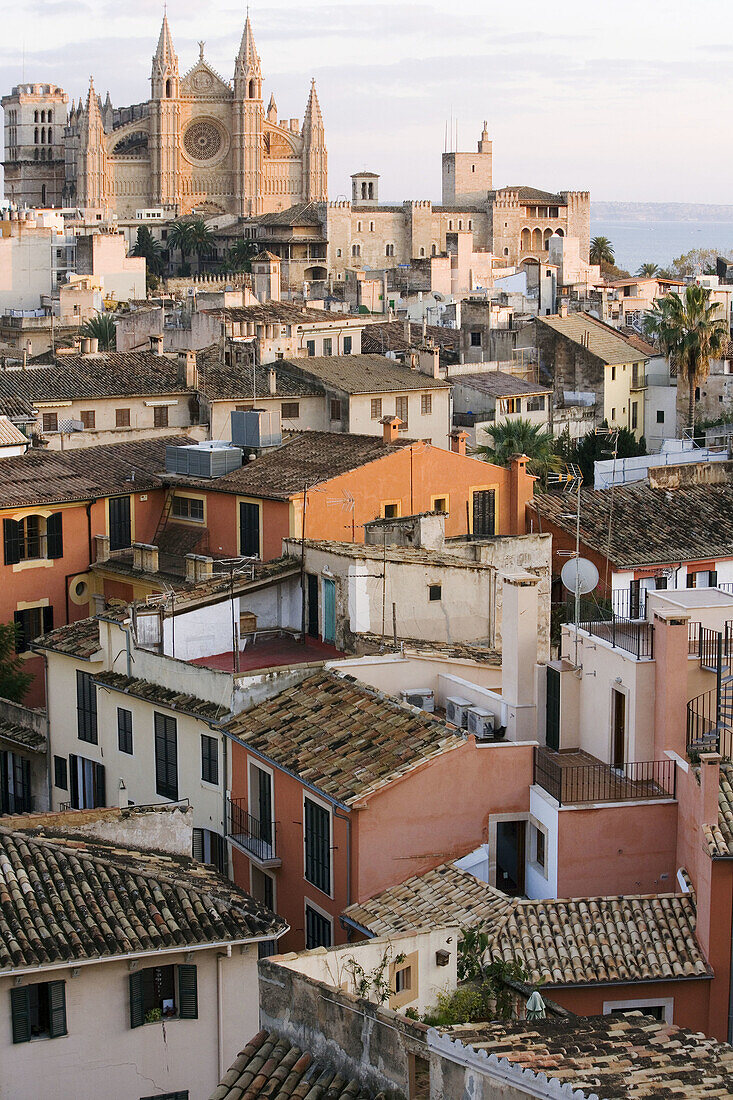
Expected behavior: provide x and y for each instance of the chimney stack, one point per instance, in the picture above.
(156, 345)
(519, 654)
(390, 428)
(272, 381)
(458, 441)
(187, 372)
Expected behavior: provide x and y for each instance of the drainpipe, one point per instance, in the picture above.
(730, 991)
(220, 1009)
(49, 773)
(89, 504)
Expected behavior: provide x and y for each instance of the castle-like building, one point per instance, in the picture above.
(199, 141)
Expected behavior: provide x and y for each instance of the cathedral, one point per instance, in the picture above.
(199, 142)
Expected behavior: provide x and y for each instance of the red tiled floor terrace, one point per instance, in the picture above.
(272, 653)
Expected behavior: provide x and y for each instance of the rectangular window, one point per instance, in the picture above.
(38, 1011)
(318, 931)
(347, 345)
(535, 404)
(335, 410)
(163, 993)
(31, 624)
(50, 422)
(188, 508)
(209, 759)
(327, 345)
(120, 523)
(435, 592)
(476, 338)
(160, 416)
(15, 783)
(33, 538)
(88, 419)
(375, 408)
(426, 404)
(209, 847)
(86, 783)
(318, 846)
(86, 707)
(539, 847)
(613, 374)
(310, 347)
(60, 773)
(249, 529)
(440, 504)
(400, 407)
(390, 511)
(290, 410)
(403, 980)
(634, 414)
(166, 756)
(263, 887)
(124, 730)
(511, 405)
(122, 418)
(660, 416)
(484, 513)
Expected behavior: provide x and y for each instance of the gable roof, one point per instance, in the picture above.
(270, 1066)
(69, 898)
(79, 639)
(364, 374)
(79, 377)
(533, 194)
(497, 383)
(10, 436)
(651, 526)
(384, 336)
(244, 382)
(341, 736)
(162, 697)
(303, 213)
(290, 313)
(603, 342)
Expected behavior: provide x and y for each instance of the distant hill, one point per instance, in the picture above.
(661, 212)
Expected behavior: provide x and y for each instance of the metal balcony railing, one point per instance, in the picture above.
(252, 834)
(629, 782)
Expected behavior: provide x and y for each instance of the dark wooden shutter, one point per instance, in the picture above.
(120, 528)
(56, 1009)
(249, 530)
(61, 779)
(317, 846)
(11, 540)
(54, 536)
(188, 1007)
(100, 795)
(137, 1003)
(552, 709)
(21, 1013)
(166, 757)
(74, 782)
(47, 619)
(198, 845)
(713, 579)
(484, 518)
(21, 635)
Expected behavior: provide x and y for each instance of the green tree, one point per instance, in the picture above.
(601, 251)
(182, 236)
(698, 261)
(14, 681)
(202, 239)
(689, 332)
(149, 249)
(520, 436)
(597, 447)
(102, 328)
(241, 254)
(648, 270)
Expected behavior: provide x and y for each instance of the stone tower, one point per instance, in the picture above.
(92, 183)
(467, 177)
(164, 120)
(35, 117)
(248, 117)
(365, 189)
(315, 166)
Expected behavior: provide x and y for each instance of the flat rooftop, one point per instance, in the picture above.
(693, 598)
(272, 652)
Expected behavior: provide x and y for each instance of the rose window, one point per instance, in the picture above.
(202, 141)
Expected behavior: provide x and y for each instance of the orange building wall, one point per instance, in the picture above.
(690, 999)
(617, 850)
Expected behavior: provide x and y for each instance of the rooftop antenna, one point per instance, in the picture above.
(577, 578)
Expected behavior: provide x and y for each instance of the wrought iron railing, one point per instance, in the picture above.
(251, 833)
(628, 782)
(633, 636)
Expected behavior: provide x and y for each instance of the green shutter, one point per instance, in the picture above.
(56, 1009)
(20, 1009)
(11, 539)
(137, 1004)
(54, 536)
(188, 1007)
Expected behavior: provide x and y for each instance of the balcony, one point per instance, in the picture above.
(573, 778)
(638, 380)
(634, 636)
(255, 837)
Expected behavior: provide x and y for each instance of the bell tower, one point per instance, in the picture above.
(164, 121)
(248, 125)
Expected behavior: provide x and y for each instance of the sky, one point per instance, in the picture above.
(631, 100)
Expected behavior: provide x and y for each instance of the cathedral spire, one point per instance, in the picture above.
(92, 119)
(315, 158)
(313, 119)
(248, 58)
(165, 55)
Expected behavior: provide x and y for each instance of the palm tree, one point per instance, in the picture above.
(241, 254)
(648, 271)
(520, 436)
(202, 239)
(181, 235)
(690, 334)
(601, 251)
(149, 249)
(102, 328)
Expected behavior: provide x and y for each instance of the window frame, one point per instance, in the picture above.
(209, 759)
(21, 1011)
(124, 731)
(87, 728)
(426, 404)
(432, 589)
(290, 410)
(122, 418)
(335, 406)
(189, 502)
(161, 416)
(375, 408)
(318, 865)
(321, 918)
(184, 983)
(88, 418)
(402, 401)
(163, 725)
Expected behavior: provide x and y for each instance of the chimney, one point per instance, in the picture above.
(86, 345)
(204, 568)
(102, 545)
(390, 428)
(521, 489)
(519, 654)
(563, 311)
(670, 682)
(156, 345)
(458, 441)
(272, 381)
(144, 557)
(187, 372)
(709, 786)
(93, 345)
(191, 568)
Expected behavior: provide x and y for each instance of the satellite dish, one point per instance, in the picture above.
(585, 572)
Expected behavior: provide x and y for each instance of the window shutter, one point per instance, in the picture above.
(137, 1003)
(74, 781)
(188, 1008)
(20, 1009)
(47, 619)
(198, 845)
(20, 643)
(713, 579)
(54, 536)
(11, 539)
(100, 798)
(56, 1009)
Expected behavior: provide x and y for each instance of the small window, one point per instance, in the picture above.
(613, 414)
(348, 344)
(290, 410)
(401, 410)
(511, 405)
(124, 730)
(310, 347)
(209, 847)
(391, 511)
(376, 408)
(403, 980)
(358, 227)
(38, 1011)
(338, 251)
(540, 848)
(475, 338)
(660, 416)
(318, 931)
(86, 707)
(163, 993)
(435, 592)
(328, 346)
(335, 410)
(30, 624)
(535, 404)
(60, 773)
(209, 759)
(634, 415)
(160, 416)
(88, 419)
(122, 418)
(440, 504)
(188, 508)
(50, 422)
(613, 374)
(426, 404)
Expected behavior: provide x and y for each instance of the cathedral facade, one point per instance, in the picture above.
(198, 142)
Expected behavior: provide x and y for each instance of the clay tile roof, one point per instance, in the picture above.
(627, 1057)
(719, 837)
(24, 737)
(614, 939)
(80, 639)
(377, 339)
(341, 736)
(63, 897)
(270, 1066)
(651, 526)
(290, 313)
(220, 382)
(106, 374)
(444, 896)
(365, 374)
(303, 213)
(533, 194)
(603, 342)
(10, 436)
(498, 384)
(161, 696)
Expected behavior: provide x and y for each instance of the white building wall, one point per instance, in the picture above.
(543, 813)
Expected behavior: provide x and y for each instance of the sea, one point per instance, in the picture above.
(636, 242)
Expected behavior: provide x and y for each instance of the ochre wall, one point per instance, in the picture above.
(690, 999)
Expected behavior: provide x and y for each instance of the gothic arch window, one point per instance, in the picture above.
(460, 224)
(49, 116)
(168, 89)
(43, 116)
(35, 154)
(422, 251)
(43, 194)
(560, 232)
(49, 136)
(470, 223)
(434, 250)
(251, 89)
(548, 234)
(356, 250)
(35, 116)
(389, 250)
(536, 240)
(43, 135)
(35, 134)
(450, 227)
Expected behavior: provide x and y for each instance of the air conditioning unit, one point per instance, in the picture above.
(482, 724)
(422, 698)
(456, 711)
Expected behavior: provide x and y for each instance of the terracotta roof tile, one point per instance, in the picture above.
(10, 436)
(25, 737)
(107, 374)
(364, 374)
(341, 736)
(719, 837)
(498, 384)
(63, 897)
(390, 336)
(603, 342)
(161, 696)
(80, 639)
